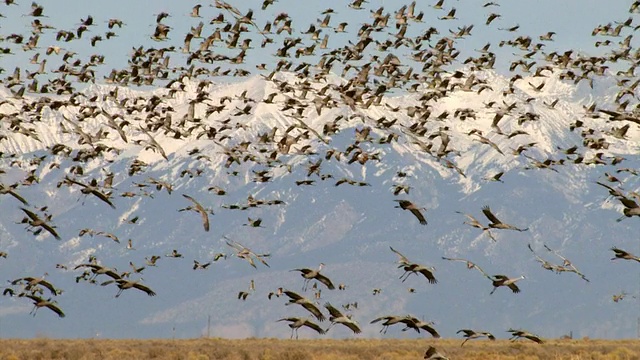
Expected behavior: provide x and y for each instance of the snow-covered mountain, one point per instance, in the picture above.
(262, 151)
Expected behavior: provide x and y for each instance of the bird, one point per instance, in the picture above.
(621, 254)
(129, 284)
(297, 322)
(433, 354)
(473, 334)
(99, 270)
(246, 254)
(408, 205)
(39, 302)
(390, 320)
(91, 188)
(502, 280)
(295, 298)
(32, 282)
(417, 325)
(472, 221)
(35, 221)
(496, 223)
(200, 209)
(414, 268)
(312, 274)
(516, 334)
(338, 318)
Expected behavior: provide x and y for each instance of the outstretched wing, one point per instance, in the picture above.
(486, 210)
(333, 311)
(419, 215)
(403, 259)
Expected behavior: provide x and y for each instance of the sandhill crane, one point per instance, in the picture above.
(39, 302)
(476, 224)
(197, 265)
(91, 188)
(99, 270)
(245, 253)
(408, 205)
(253, 222)
(35, 221)
(433, 354)
(128, 284)
(296, 322)
(30, 283)
(295, 298)
(390, 320)
(417, 325)
(567, 266)
(338, 318)
(516, 334)
(414, 268)
(502, 280)
(473, 334)
(427, 271)
(545, 264)
(200, 209)
(311, 274)
(10, 190)
(621, 254)
(496, 223)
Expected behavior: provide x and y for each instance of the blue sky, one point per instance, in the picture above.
(572, 21)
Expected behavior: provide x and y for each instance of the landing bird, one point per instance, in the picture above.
(295, 298)
(473, 334)
(39, 302)
(517, 334)
(338, 318)
(129, 284)
(296, 322)
(433, 354)
(311, 274)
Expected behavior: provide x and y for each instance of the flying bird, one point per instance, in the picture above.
(408, 205)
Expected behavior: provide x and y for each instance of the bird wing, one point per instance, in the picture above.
(30, 214)
(514, 288)
(144, 288)
(326, 281)
(403, 259)
(314, 310)
(487, 212)
(100, 195)
(333, 311)
(310, 324)
(419, 215)
(201, 210)
(55, 309)
(353, 326)
(429, 275)
(51, 230)
(430, 330)
(292, 295)
(628, 203)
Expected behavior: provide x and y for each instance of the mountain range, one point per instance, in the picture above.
(254, 159)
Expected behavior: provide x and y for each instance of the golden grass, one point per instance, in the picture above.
(351, 349)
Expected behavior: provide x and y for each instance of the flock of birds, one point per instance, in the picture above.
(98, 128)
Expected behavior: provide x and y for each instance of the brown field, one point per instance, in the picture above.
(352, 349)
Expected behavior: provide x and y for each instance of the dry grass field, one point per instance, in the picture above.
(352, 349)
